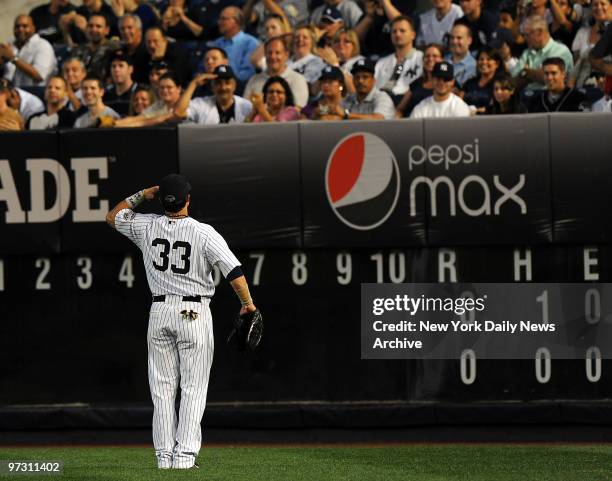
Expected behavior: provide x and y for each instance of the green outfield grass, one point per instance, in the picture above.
(405, 463)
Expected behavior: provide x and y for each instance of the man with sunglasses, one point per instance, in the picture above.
(443, 102)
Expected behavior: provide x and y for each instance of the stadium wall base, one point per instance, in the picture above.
(314, 415)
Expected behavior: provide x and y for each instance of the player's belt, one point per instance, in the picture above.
(185, 298)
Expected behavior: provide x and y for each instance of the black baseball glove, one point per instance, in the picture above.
(247, 331)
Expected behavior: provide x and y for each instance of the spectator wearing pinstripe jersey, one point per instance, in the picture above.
(179, 254)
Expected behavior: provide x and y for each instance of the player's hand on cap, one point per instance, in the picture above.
(151, 192)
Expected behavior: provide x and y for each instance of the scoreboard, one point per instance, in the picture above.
(74, 327)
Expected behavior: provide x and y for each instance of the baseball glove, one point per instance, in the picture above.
(247, 331)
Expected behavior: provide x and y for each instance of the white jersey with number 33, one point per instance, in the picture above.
(179, 254)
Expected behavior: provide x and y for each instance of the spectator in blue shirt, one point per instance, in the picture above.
(463, 62)
(238, 45)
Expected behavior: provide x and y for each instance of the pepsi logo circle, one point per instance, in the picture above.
(362, 181)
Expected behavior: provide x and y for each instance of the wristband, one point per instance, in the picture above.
(135, 200)
(244, 295)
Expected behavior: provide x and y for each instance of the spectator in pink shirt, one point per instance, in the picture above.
(275, 104)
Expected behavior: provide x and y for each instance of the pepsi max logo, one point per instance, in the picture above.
(362, 181)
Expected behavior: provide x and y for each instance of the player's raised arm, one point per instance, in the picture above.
(131, 202)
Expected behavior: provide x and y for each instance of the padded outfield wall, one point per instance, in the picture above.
(313, 211)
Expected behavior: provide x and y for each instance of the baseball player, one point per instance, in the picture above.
(179, 254)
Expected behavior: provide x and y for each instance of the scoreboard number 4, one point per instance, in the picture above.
(126, 273)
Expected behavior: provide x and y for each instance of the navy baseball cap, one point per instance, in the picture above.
(224, 71)
(121, 56)
(331, 73)
(158, 65)
(174, 189)
(443, 70)
(331, 15)
(363, 65)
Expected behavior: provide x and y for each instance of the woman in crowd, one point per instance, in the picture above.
(478, 91)
(344, 52)
(180, 22)
(505, 97)
(328, 107)
(422, 87)
(586, 38)
(275, 104)
(275, 26)
(304, 60)
(142, 98)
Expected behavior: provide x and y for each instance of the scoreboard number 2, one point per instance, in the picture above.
(44, 264)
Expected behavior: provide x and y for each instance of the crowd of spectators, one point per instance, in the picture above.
(131, 63)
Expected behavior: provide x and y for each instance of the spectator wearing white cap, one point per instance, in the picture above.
(443, 102)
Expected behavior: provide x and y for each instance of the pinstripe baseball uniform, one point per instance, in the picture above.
(178, 254)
